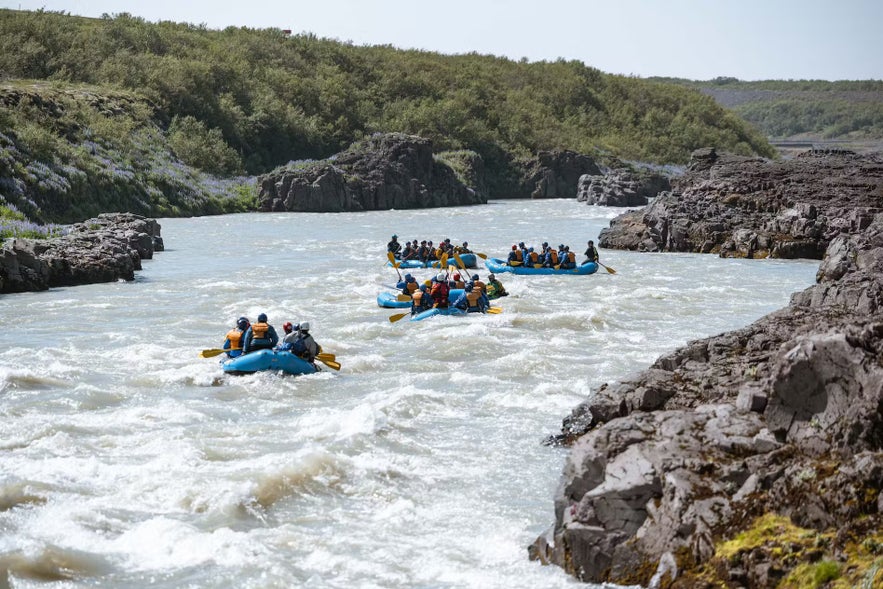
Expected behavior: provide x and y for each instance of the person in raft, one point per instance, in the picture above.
(233, 343)
(260, 336)
(591, 252)
(305, 346)
(291, 335)
(495, 287)
(394, 247)
(420, 300)
(439, 291)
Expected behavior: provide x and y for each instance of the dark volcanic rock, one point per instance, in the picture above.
(391, 171)
(620, 188)
(784, 416)
(556, 174)
(754, 208)
(107, 248)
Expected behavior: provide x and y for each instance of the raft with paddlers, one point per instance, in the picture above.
(262, 360)
(393, 300)
(468, 259)
(497, 265)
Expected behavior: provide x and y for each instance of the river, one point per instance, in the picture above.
(128, 461)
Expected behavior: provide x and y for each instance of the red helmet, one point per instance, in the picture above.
(457, 276)
(287, 326)
(513, 247)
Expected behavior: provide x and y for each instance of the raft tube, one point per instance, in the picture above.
(267, 360)
(387, 300)
(468, 259)
(496, 265)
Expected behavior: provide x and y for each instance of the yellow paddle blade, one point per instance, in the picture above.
(324, 356)
(443, 263)
(459, 261)
(537, 265)
(397, 316)
(481, 255)
(608, 268)
(515, 263)
(329, 363)
(211, 353)
(403, 298)
(495, 310)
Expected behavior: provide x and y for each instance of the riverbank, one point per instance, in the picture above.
(103, 249)
(705, 467)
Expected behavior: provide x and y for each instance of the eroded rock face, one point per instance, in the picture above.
(753, 208)
(620, 188)
(104, 249)
(556, 174)
(783, 416)
(388, 171)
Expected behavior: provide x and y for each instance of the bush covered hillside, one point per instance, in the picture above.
(802, 109)
(240, 100)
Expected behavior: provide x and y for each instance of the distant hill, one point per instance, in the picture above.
(802, 110)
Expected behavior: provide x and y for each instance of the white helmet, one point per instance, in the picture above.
(305, 326)
(441, 277)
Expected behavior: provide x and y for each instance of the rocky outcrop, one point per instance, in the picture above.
(555, 174)
(620, 187)
(104, 249)
(387, 171)
(782, 417)
(754, 208)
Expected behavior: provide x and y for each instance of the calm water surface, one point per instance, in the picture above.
(128, 461)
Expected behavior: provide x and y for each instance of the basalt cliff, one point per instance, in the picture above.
(753, 458)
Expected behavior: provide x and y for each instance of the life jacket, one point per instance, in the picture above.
(235, 337)
(259, 330)
(472, 299)
(260, 336)
(440, 295)
(459, 284)
(534, 258)
(480, 284)
(571, 257)
(518, 256)
(554, 256)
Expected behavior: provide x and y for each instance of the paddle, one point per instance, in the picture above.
(494, 310)
(608, 268)
(211, 353)
(327, 362)
(515, 263)
(480, 255)
(397, 317)
(403, 298)
(392, 260)
(324, 356)
(443, 262)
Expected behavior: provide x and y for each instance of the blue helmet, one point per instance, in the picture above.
(475, 277)
(242, 323)
(408, 276)
(262, 318)
(395, 236)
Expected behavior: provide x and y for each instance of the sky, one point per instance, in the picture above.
(694, 39)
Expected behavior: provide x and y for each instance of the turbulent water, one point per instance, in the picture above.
(127, 461)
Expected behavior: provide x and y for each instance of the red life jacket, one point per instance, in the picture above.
(440, 294)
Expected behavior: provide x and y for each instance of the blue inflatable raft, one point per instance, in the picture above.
(267, 360)
(468, 259)
(388, 300)
(497, 266)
